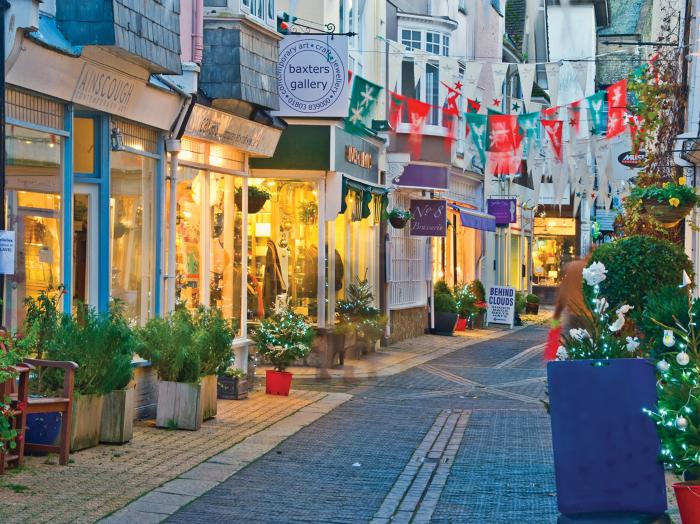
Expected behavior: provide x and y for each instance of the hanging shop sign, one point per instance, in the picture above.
(423, 176)
(312, 76)
(356, 156)
(217, 126)
(501, 305)
(429, 218)
(632, 160)
(504, 209)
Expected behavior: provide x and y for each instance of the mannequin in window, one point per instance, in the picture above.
(310, 286)
(273, 282)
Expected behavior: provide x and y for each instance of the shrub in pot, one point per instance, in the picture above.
(398, 217)
(532, 304)
(256, 198)
(477, 289)
(445, 313)
(282, 338)
(599, 391)
(357, 314)
(232, 384)
(520, 302)
(185, 348)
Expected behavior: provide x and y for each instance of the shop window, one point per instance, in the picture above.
(132, 232)
(84, 145)
(33, 186)
(283, 249)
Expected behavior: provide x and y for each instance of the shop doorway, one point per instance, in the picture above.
(85, 244)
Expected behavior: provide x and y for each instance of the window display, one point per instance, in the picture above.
(33, 188)
(282, 246)
(132, 233)
(553, 248)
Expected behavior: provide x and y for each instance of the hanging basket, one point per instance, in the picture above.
(668, 215)
(255, 203)
(398, 222)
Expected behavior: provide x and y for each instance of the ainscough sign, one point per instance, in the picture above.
(312, 76)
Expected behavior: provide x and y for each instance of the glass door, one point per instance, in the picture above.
(85, 244)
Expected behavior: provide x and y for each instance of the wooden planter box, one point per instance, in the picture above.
(209, 397)
(232, 388)
(179, 405)
(118, 416)
(86, 421)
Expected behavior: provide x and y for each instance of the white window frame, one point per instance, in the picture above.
(253, 7)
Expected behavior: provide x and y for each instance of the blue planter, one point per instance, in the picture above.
(43, 428)
(605, 448)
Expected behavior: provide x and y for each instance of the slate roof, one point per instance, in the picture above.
(515, 21)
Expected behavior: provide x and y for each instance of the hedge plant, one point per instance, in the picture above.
(639, 266)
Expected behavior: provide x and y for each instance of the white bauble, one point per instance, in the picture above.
(669, 340)
(681, 422)
(663, 366)
(683, 358)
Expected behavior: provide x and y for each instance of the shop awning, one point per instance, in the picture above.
(366, 191)
(475, 219)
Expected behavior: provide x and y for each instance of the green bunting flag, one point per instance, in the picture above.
(529, 124)
(595, 105)
(362, 99)
(478, 131)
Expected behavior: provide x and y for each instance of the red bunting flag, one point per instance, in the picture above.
(396, 105)
(617, 95)
(449, 121)
(574, 110)
(503, 163)
(550, 112)
(554, 129)
(617, 109)
(417, 115)
(452, 97)
(504, 133)
(473, 106)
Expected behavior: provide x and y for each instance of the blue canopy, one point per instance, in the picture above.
(475, 219)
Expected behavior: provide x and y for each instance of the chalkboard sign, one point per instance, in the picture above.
(429, 218)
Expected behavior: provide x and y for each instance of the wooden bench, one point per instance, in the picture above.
(62, 404)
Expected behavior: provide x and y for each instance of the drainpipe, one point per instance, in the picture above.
(4, 6)
(198, 31)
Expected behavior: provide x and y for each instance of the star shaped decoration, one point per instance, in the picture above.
(367, 96)
(356, 115)
(496, 101)
(516, 106)
(572, 122)
(458, 85)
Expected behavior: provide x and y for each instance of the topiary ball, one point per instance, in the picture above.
(639, 266)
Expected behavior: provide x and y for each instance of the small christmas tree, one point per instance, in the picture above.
(677, 414)
(600, 338)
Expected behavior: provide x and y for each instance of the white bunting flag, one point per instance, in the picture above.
(396, 56)
(581, 70)
(527, 78)
(472, 72)
(552, 70)
(420, 60)
(499, 71)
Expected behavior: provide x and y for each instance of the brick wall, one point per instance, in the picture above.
(407, 323)
(239, 63)
(148, 30)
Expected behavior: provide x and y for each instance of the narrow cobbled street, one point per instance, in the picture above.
(462, 438)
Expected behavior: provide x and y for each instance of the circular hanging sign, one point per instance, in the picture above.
(312, 76)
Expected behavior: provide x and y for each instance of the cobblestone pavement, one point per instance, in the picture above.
(461, 438)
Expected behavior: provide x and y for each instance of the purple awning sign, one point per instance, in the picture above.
(423, 176)
(504, 209)
(429, 218)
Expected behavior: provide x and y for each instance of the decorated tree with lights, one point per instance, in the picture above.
(677, 414)
(603, 336)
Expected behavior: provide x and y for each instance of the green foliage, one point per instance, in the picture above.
(445, 303)
(187, 345)
(677, 413)
(466, 301)
(668, 306)
(232, 372)
(520, 301)
(8, 357)
(283, 338)
(663, 193)
(404, 214)
(102, 344)
(532, 299)
(636, 267)
(477, 289)
(253, 192)
(358, 315)
(441, 287)
(42, 322)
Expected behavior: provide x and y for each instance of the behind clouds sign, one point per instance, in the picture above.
(312, 76)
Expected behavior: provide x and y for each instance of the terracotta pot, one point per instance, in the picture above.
(688, 497)
(398, 222)
(461, 324)
(668, 215)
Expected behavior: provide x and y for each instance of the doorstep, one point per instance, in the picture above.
(401, 356)
(167, 499)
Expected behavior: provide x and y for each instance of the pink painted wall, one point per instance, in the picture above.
(191, 30)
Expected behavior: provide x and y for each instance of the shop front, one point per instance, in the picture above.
(318, 230)
(85, 170)
(555, 244)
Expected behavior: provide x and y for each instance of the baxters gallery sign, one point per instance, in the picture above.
(312, 76)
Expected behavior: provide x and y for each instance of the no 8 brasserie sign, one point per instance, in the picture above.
(429, 218)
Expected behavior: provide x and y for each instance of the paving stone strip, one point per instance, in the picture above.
(520, 357)
(415, 494)
(165, 500)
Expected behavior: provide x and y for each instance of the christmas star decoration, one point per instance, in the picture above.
(496, 101)
(458, 85)
(356, 115)
(367, 96)
(516, 107)
(572, 122)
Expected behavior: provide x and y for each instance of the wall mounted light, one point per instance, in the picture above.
(117, 139)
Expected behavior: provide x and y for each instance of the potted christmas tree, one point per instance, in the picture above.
(281, 339)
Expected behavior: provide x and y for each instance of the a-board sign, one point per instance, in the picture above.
(501, 305)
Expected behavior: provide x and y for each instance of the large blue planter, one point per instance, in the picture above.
(605, 448)
(43, 428)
